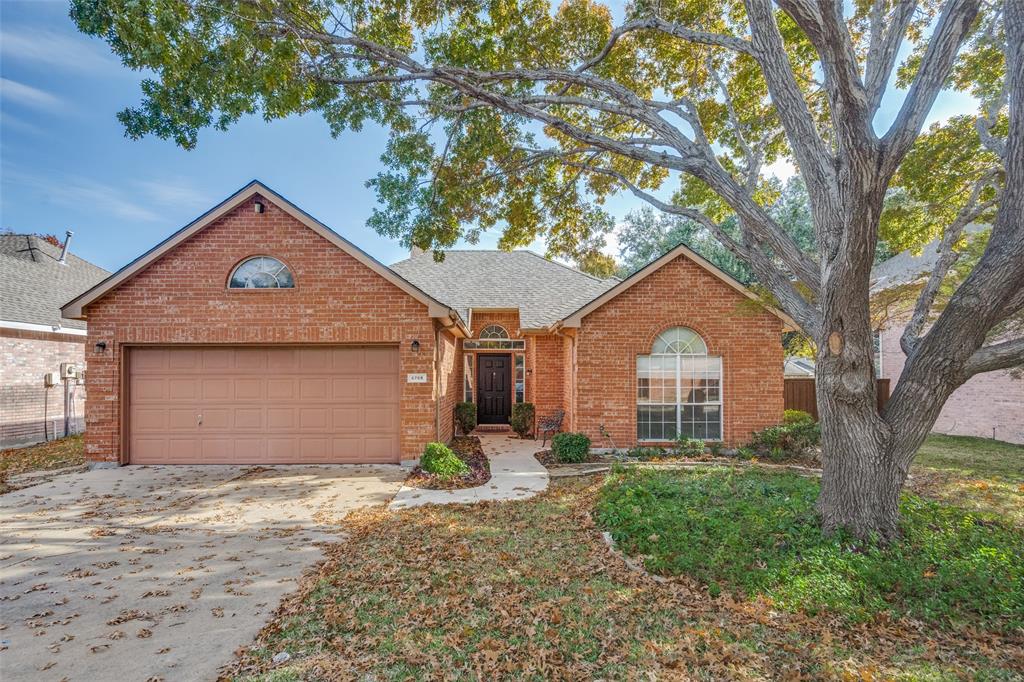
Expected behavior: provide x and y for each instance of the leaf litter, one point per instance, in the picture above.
(529, 590)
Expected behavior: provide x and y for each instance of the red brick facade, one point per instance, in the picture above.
(31, 412)
(590, 371)
(449, 383)
(680, 294)
(183, 298)
(989, 405)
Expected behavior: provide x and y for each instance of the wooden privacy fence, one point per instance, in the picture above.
(799, 394)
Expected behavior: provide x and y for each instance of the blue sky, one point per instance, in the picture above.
(66, 164)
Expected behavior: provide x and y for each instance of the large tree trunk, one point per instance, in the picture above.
(861, 477)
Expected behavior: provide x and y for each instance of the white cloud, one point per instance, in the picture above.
(82, 194)
(783, 169)
(29, 44)
(28, 96)
(104, 199)
(178, 192)
(9, 122)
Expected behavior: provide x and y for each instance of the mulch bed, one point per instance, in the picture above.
(469, 450)
(547, 458)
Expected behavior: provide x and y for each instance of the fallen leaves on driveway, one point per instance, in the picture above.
(146, 572)
(528, 590)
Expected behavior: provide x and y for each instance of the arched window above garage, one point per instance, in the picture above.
(261, 272)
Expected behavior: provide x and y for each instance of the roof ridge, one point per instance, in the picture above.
(567, 267)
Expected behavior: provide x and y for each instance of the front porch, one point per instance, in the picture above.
(503, 365)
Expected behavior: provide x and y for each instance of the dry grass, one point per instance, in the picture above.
(56, 454)
(973, 473)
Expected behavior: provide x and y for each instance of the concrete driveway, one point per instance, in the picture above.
(160, 573)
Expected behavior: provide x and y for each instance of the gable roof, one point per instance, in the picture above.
(34, 284)
(436, 308)
(907, 266)
(542, 290)
(576, 317)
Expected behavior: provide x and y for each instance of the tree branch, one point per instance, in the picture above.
(950, 31)
(947, 258)
(824, 24)
(752, 160)
(997, 356)
(812, 154)
(885, 47)
(767, 273)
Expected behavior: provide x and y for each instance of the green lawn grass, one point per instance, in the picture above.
(756, 533)
(979, 474)
(973, 457)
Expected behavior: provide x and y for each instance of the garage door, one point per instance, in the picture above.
(263, 405)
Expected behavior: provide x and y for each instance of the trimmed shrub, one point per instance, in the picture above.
(689, 447)
(438, 459)
(792, 441)
(570, 447)
(522, 419)
(790, 417)
(465, 417)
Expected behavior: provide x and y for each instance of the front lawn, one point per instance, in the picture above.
(56, 454)
(975, 473)
(756, 533)
(528, 590)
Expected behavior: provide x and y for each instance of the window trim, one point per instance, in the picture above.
(518, 376)
(245, 260)
(494, 344)
(468, 388)
(678, 390)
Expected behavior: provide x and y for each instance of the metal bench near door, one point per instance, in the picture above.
(551, 425)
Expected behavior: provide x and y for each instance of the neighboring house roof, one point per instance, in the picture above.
(906, 266)
(436, 308)
(543, 291)
(799, 367)
(576, 317)
(34, 284)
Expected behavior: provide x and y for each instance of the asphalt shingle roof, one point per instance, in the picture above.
(34, 285)
(907, 266)
(544, 291)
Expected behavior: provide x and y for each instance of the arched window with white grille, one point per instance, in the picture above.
(679, 389)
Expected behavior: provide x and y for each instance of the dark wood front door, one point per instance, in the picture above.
(494, 388)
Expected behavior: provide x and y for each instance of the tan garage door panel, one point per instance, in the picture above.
(263, 405)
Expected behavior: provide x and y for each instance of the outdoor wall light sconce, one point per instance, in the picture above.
(101, 346)
(416, 346)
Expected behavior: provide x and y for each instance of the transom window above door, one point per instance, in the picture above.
(261, 272)
(494, 337)
(679, 389)
(493, 331)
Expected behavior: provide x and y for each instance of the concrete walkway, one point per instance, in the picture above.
(515, 475)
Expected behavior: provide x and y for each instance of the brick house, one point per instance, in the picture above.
(256, 334)
(36, 277)
(989, 405)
